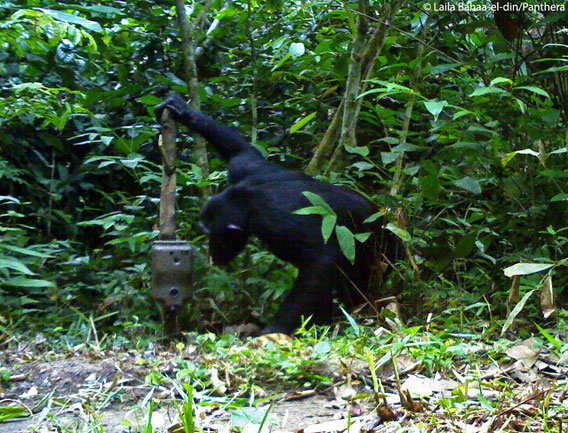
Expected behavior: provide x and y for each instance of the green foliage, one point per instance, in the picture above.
(482, 164)
(345, 238)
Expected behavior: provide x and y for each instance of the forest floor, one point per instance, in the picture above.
(424, 381)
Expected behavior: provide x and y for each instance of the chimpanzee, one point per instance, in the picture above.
(260, 201)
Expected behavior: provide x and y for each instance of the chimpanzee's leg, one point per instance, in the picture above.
(311, 295)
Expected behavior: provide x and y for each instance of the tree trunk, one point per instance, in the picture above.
(189, 36)
(364, 53)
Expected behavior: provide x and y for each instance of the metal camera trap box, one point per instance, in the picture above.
(172, 273)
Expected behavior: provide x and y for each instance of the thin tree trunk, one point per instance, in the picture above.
(325, 147)
(364, 54)
(353, 85)
(253, 100)
(397, 178)
(189, 36)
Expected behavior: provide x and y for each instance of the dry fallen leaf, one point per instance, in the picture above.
(525, 352)
(547, 298)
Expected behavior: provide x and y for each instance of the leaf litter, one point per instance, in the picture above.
(310, 386)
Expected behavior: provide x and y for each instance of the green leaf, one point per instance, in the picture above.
(389, 157)
(500, 80)
(461, 113)
(358, 150)
(516, 312)
(401, 233)
(560, 197)
(311, 210)
(487, 90)
(281, 61)
(526, 268)
(133, 160)
(98, 8)
(13, 412)
(440, 69)
(553, 69)
(534, 89)
(346, 242)
(26, 282)
(375, 217)
(465, 245)
(327, 226)
(316, 200)
(521, 104)
(508, 157)
(245, 416)
(73, 19)
(351, 321)
(363, 165)
(302, 122)
(430, 186)
(16, 265)
(149, 100)
(388, 89)
(9, 199)
(550, 338)
(406, 147)
(362, 237)
(25, 251)
(435, 107)
(469, 184)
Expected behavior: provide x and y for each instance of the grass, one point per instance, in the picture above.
(448, 374)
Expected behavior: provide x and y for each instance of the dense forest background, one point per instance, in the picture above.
(453, 123)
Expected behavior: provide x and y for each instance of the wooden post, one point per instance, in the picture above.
(167, 144)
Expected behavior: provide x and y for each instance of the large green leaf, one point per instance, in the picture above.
(73, 19)
(346, 242)
(515, 312)
(24, 251)
(469, 184)
(526, 268)
(327, 226)
(28, 282)
(534, 89)
(16, 265)
(435, 107)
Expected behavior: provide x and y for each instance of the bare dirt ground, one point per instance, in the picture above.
(83, 389)
(60, 394)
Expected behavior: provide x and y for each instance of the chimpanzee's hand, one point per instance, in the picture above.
(177, 106)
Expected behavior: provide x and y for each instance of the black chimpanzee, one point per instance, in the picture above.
(260, 201)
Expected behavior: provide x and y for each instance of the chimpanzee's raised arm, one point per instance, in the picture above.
(227, 141)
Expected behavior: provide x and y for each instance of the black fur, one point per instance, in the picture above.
(260, 201)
